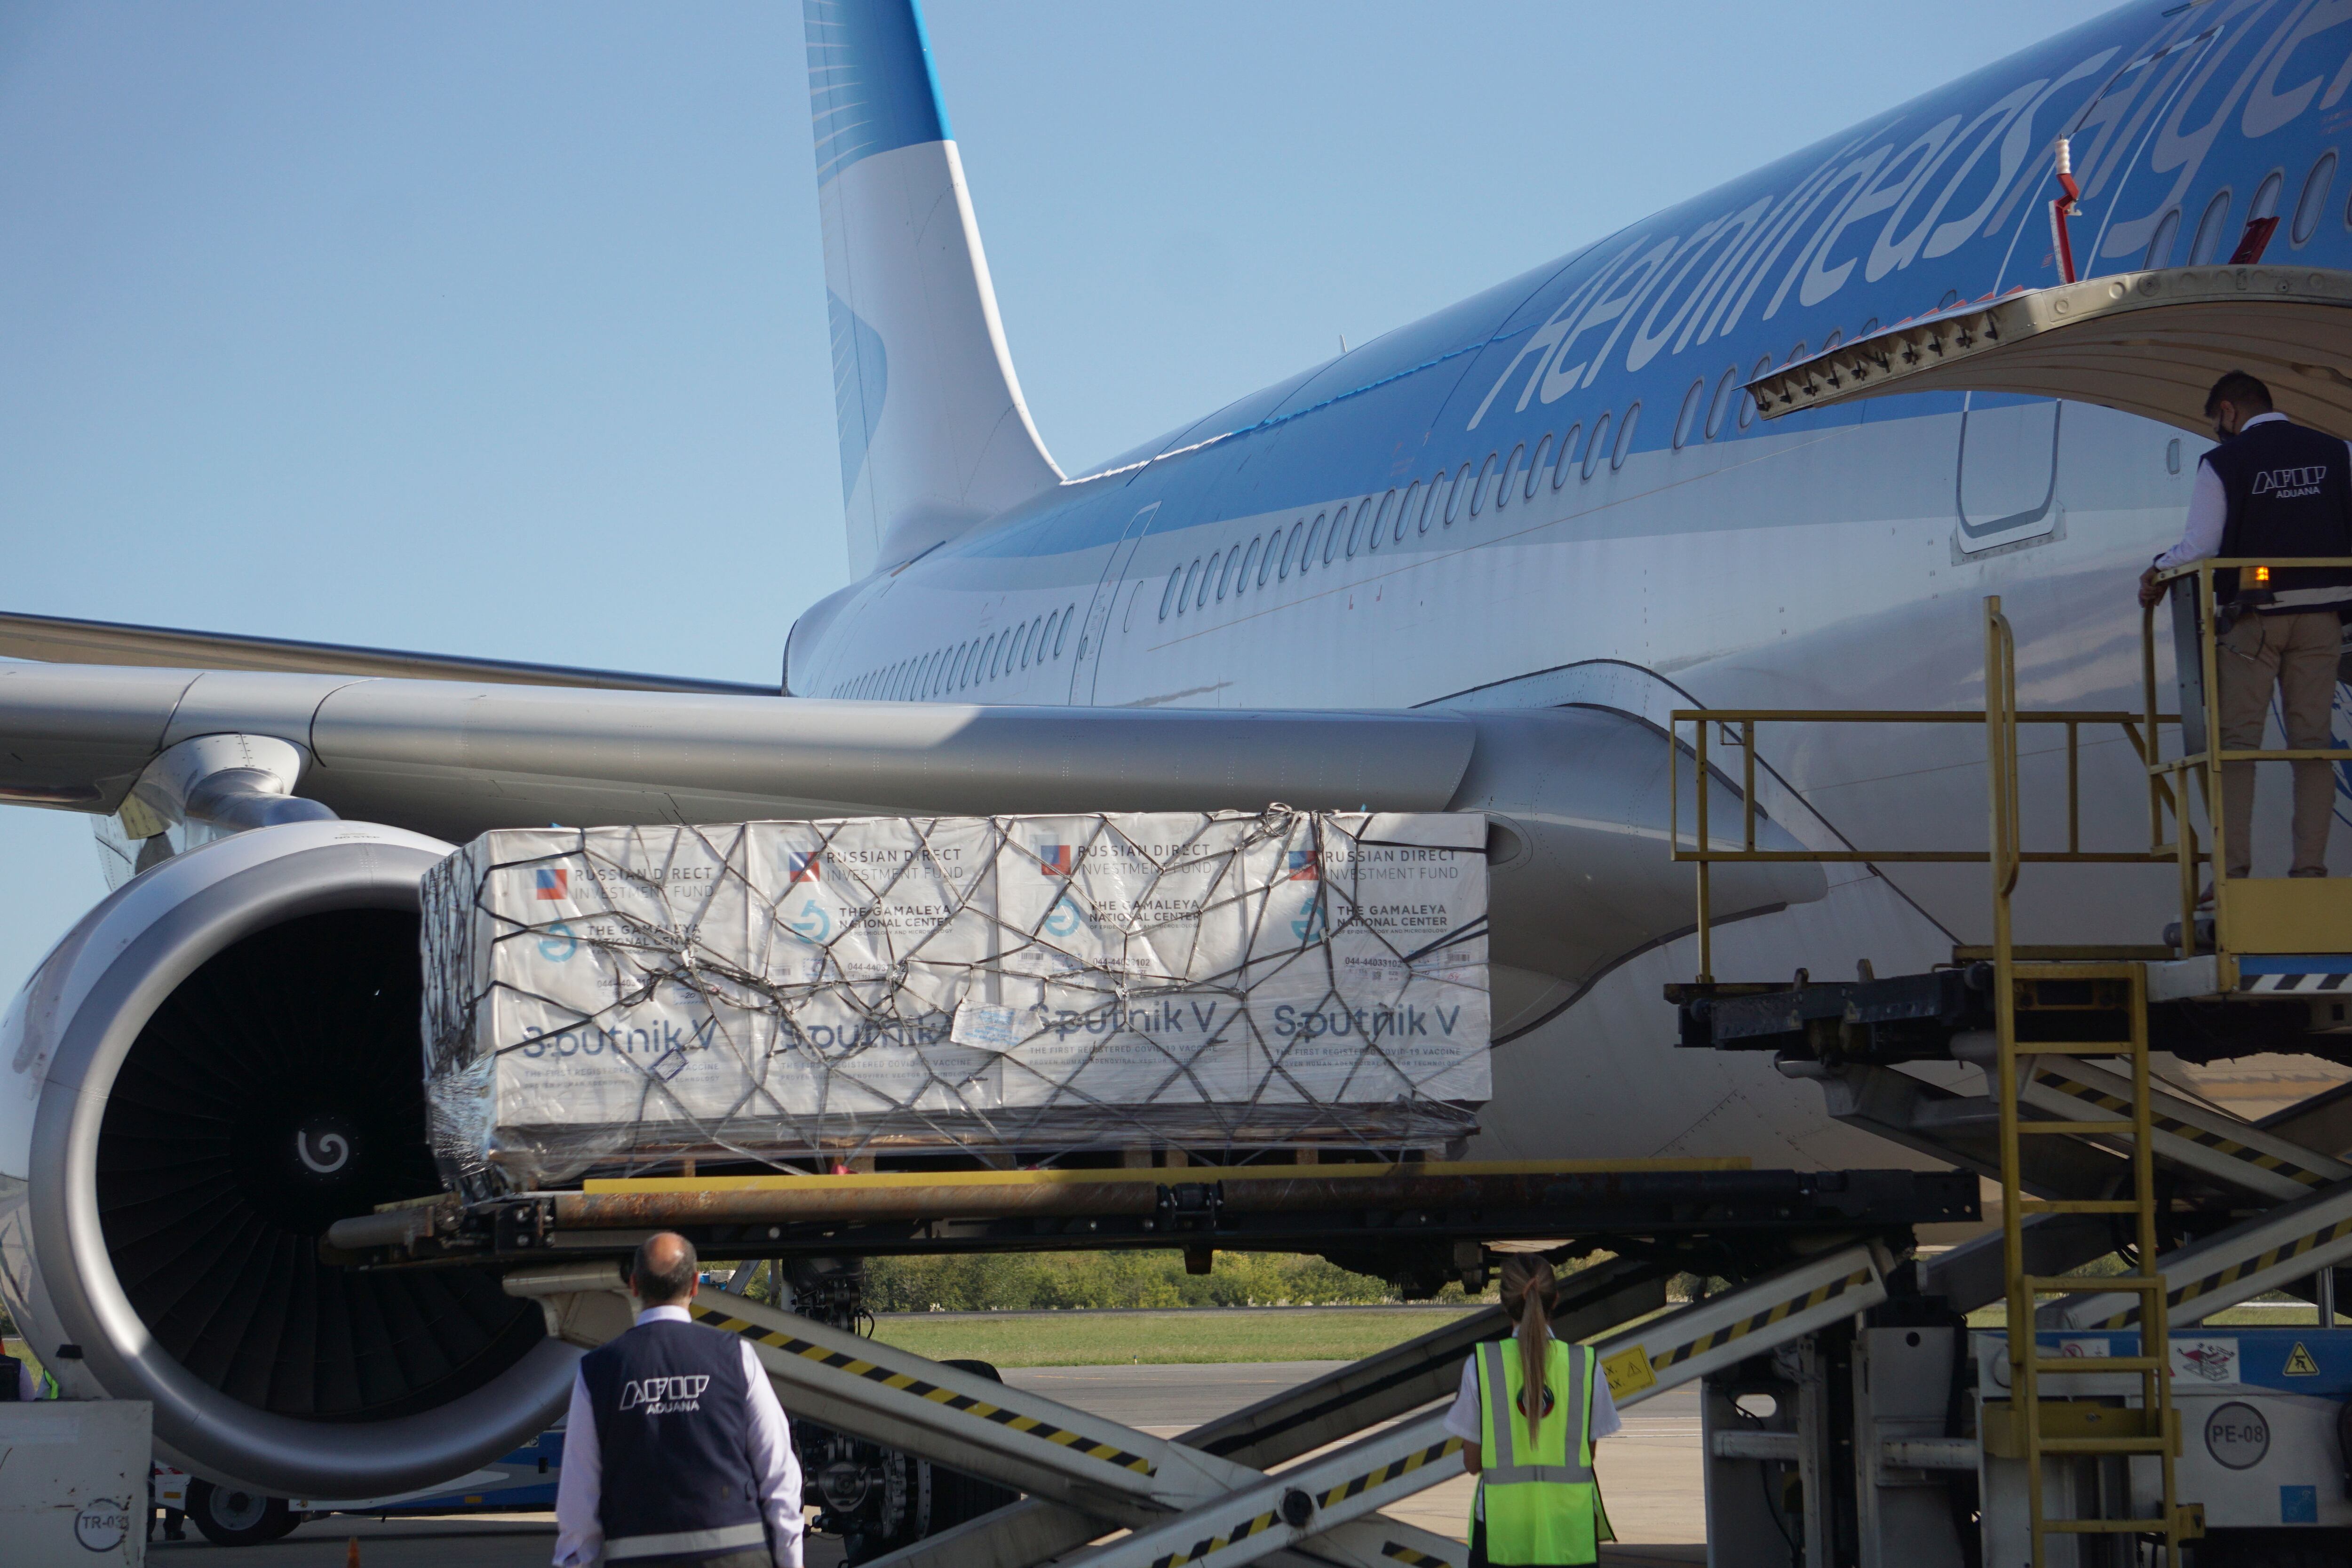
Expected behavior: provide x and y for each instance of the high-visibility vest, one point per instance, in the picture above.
(1537, 1493)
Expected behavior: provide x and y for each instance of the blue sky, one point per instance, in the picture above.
(501, 330)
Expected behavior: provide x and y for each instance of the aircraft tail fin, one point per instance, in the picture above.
(934, 434)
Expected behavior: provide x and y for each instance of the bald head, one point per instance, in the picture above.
(666, 1272)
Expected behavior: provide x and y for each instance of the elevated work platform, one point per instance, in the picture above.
(2095, 1159)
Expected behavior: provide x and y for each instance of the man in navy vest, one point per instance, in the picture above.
(2274, 489)
(676, 1451)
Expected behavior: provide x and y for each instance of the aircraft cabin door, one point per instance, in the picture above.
(2008, 470)
(1088, 666)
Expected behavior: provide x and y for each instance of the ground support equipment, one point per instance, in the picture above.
(1182, 1504)
(2077, 1450)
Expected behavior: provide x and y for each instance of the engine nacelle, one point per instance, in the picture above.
(218, 1062)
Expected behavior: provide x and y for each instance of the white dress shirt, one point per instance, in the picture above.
(580, 1534)
(2208, 510)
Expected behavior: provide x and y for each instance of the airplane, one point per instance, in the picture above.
(1472, 565)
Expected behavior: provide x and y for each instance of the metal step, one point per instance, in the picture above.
(2268, 1252)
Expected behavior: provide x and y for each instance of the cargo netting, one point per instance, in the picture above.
(805, 995)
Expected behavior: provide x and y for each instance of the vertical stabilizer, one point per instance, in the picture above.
(934, 434)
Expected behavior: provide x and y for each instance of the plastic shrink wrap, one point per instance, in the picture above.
(799, 994)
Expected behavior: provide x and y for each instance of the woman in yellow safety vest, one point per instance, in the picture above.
(1538, 1505)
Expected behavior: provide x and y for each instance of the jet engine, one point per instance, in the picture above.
(217, 1063)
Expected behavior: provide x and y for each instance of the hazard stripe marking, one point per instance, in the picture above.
(1013, 1420)
(1411, 1557)
(1746, 1326)
(2239, 1271)
(1388, 1472)
(2202, 1137)
(1215, 1544)
(1356, 1487)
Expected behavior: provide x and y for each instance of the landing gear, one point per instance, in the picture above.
(231, 1516)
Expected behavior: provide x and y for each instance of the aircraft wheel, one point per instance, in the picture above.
(231, 1516)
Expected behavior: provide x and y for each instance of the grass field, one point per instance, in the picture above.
(1202, 1335)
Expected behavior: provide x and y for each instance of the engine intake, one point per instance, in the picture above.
(219, 1062)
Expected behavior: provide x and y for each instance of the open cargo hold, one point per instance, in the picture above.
(799, 992)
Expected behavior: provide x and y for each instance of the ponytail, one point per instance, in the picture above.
(1530, 1292)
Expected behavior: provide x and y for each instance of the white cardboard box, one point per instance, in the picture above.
(73, 1483)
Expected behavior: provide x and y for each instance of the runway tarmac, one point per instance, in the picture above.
(1649, 1479)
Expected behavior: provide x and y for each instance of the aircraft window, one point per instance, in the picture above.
(2173, 456)
(1453, 496)
(1835, 338)
(1067, 610)
(2311, 205)
(1535, 466)
(1249, 564)
(1598, 445)
(1746, 399)
(1478, 490)
(2266, 195)
(1167, 595)
(2159, 248)
(1356, 528)
(1566, 455)
(942, 670)
(1429, 503)
(2212, 231)
(1720, 404)
(1331, 539)
(1184, 594)
(1510, 473)
(992, 658)
(1048, 634)
(1039, 630)
(1232, 556)
(1290, 547)
(1314, 537)
(1019, 657)
(1868, 327)
(1625, 436)
(1951, 297)
(1208, 581)
(1686, 418)
(1380, 519)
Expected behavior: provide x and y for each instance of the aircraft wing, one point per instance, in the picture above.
(2149, 344)
(59, 640)
(1578, 798)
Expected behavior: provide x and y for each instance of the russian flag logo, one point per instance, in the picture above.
(805, 866)
(1303, 866)
(549, 882)
(1055, 860)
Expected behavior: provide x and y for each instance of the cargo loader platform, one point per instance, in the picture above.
(1716, 1217)
(2130, 1212)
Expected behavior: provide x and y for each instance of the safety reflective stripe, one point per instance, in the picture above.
(1504, 1470)
(1499, 1408)
(677, 1543)
(1564, 1474)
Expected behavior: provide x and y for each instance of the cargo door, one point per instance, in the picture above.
(2148, 342)
(2008, 470)
(1088, 664)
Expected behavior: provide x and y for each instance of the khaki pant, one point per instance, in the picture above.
(2294, 654)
